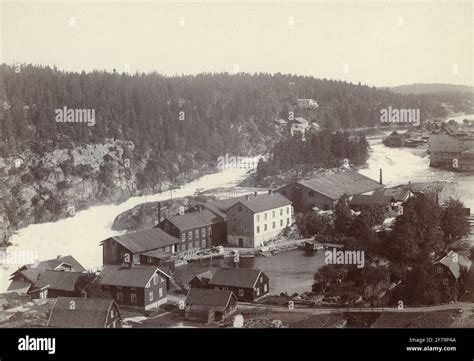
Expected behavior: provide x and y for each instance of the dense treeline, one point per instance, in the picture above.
(206, 114)
(317, 149)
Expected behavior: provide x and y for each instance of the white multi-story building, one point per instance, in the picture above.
(255, 220)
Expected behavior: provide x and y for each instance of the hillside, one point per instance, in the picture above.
(150, 132)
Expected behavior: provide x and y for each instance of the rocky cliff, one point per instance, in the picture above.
(36, 188)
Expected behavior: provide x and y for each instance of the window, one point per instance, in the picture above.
(258, 291)
(287, 210)
(273, 214)
(167, 248)
(209, 231)
(203, 232)
(273, 225)
(258, 218)
(150, 259)
(119, 296)
(247, 231)
(281, 222)
(311, 194)
(167, 226)
(196, 233)
(265, 227)
(190, 235)
(136, 258)
(240, 209)
(281, 211)
(445, 281)
(160, 292)
(112, 314)
(439, 269)
(265, 216)
(241, 292)
(258, 229)
(133, 298)
(261, 279)
(203, 244)
(150, 296)
(287, 221)
(183, 237)
(155, 279)
(265, 287)
(196, 244)
(119, 287)
(325, 207)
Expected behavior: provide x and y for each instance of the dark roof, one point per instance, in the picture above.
(209, 297)
(397, 194)
(235, 277)
(265, 202)
(204, 277)
(33, 271)
(195, 219)
(58, 280)
(335, 185)
(224, 204)
(214, 209)
(123, 276)
(88, 312)
(370, 200)
(146, 240)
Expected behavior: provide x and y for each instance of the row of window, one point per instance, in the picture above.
(273, 214)
(196, 234)
(133, 296)
(273, 225)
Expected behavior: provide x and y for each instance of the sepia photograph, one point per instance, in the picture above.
(230, 164)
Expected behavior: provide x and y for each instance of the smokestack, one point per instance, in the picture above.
(247, 197)
(270, 191)
(159, 212)
(255, 193)
(380, 180)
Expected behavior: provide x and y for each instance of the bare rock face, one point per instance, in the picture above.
(146, 215)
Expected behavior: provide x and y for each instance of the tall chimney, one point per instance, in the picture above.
(159, 212)
(270, 191)
(380, 180)
(255, 193)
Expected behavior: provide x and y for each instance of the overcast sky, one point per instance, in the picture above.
(376, 43)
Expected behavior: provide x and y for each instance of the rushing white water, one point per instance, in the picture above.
(80, 235)
(403, 165)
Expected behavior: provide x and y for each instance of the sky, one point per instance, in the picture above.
(382, 43)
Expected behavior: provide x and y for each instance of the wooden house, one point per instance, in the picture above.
(209, 305)
(71, 312)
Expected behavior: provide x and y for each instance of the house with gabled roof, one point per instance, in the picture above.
(257, 219)
(247, 284)
(150, 246)
(201, 280)
(196, 231)
(73, 312)
(209, 305)
(135, 286)
(26, 276)
(448, 273)
(323, 191)
(52, 284)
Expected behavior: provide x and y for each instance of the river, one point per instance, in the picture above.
(289, 271)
